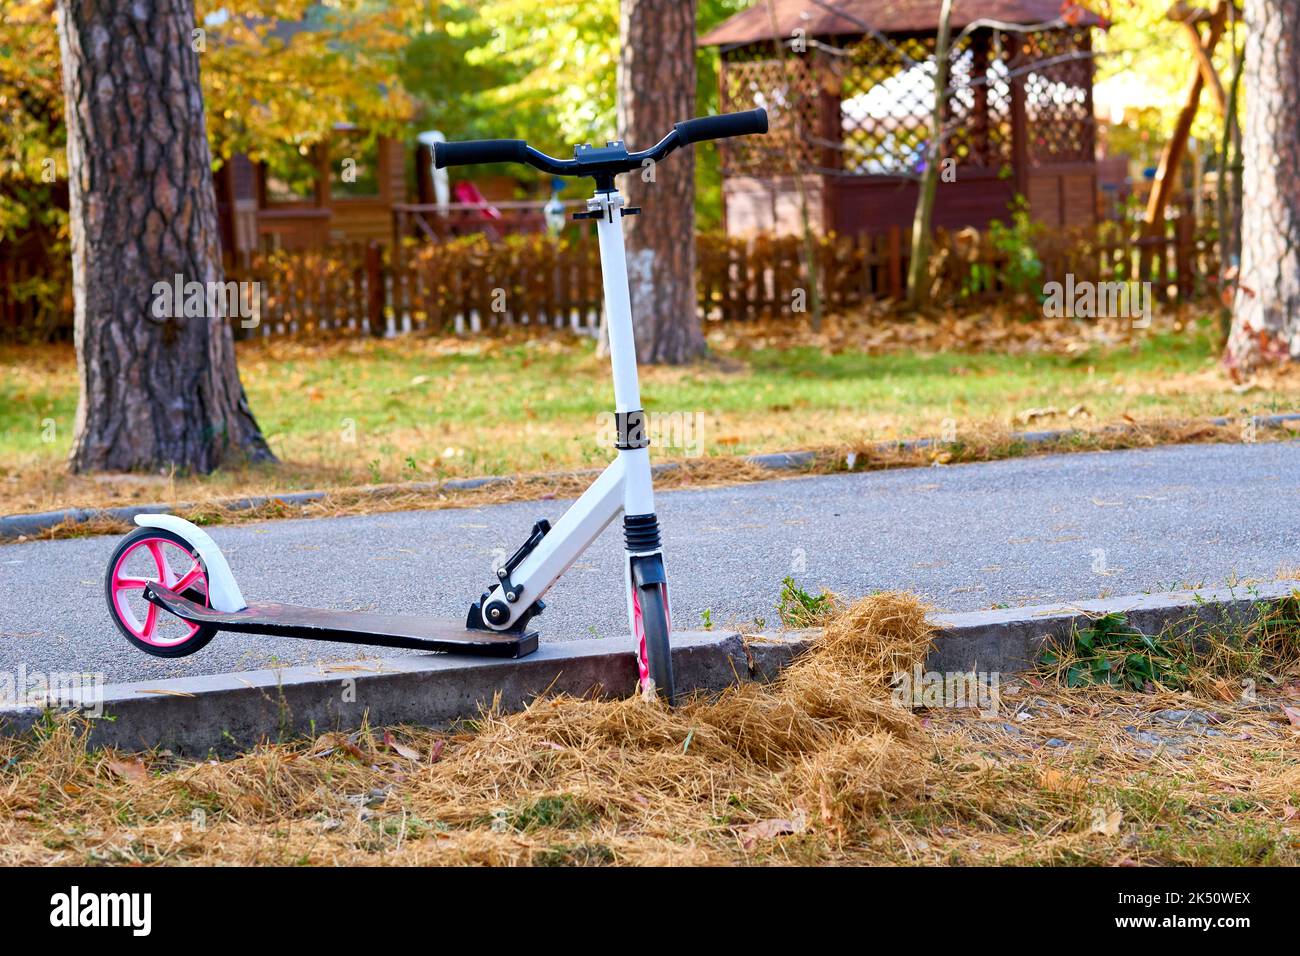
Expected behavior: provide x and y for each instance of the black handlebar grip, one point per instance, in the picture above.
(477, 151)
(720, 127)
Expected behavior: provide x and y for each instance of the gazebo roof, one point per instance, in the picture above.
(887, 16)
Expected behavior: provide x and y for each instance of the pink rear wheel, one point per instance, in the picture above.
(156, 555)
(651, 627)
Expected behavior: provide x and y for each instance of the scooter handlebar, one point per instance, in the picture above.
(476, 151)
(604, 162)
(720, 127)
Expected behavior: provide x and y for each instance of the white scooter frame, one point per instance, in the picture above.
(206, 597)
(625, 485)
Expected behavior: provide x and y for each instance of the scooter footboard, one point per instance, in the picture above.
(413, 632)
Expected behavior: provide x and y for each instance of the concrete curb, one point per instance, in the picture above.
(1007, 640)
(15, 526)
(224, 713)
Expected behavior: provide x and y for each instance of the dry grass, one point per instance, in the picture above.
(820, 767)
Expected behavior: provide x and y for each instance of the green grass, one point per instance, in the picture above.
(363, 412)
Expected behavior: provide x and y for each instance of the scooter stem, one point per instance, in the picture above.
(618, 302)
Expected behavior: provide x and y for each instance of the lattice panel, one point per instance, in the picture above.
(884, 94)
(885, 106)
(979, 120)
(787, 89)
(1058, 106)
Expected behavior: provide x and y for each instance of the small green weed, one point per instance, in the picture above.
(1112, 651)
(798, 608)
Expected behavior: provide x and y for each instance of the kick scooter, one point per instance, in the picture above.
(170, 589)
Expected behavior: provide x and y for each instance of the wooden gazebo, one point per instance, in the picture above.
(850, 94)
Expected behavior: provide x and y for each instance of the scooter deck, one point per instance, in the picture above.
(352, 627)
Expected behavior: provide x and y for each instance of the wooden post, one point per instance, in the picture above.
(829, 126)
(375, 293)
(979, 125)
(895, 263)
(397, 259)
(1019, 123)
(1185, 234)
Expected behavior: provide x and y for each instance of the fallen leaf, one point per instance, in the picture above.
(435, 752)
(410, 753)
(132, 770)
(1225, 690)
(1292, 714)
(771, 829)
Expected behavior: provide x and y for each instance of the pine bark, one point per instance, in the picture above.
(155, 392)
(656, 88)
(1266, 313)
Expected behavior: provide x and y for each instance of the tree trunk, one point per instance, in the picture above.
(156, 391)
(1266, 316)
(656, 88)
(918, 273)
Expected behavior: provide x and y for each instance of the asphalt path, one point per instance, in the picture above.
(1028, 531)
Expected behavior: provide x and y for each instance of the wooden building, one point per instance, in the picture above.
(344, 192)
(850, 95)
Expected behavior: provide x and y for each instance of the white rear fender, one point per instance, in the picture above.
(223, 592)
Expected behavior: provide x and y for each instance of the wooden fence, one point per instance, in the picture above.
(471, 283)
(763, 277)
(335, 290)
(474, 284)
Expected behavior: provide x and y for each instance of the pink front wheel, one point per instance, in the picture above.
(156, 555)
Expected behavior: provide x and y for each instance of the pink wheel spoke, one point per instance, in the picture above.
(131, 584)
(164, 569)
(150, 620)
(190, 576)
